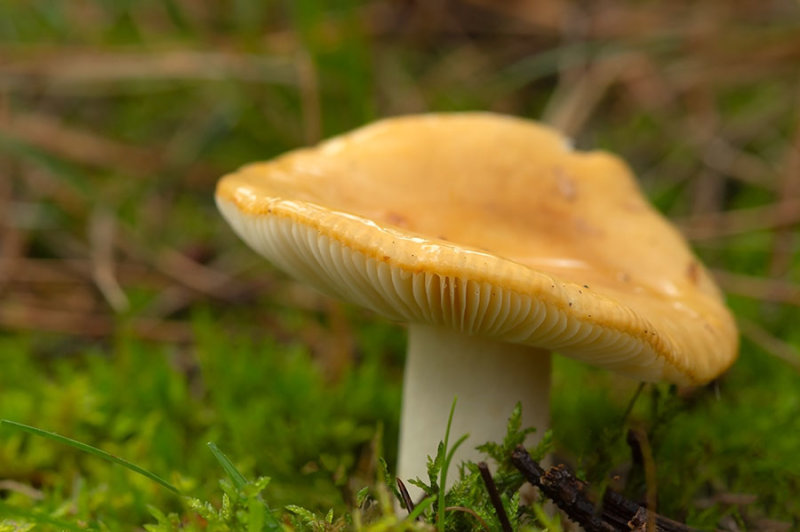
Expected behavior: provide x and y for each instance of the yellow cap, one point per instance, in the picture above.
(491, 226)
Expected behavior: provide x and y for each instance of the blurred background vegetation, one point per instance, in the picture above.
(131, 318)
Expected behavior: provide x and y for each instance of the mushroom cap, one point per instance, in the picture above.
(491, 226)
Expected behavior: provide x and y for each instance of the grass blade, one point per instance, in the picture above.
(236, 477)
(239, 482)
(419, 508)
(448, 457)
(90, 450)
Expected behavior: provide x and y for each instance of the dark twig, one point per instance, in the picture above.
(494, 496)
(407, 502)
(571, 495)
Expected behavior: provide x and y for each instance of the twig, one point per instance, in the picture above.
(571, 495)
(568, 496)
(407, 502)
(494, 496)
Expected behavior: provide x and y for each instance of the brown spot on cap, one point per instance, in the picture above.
(693, 272)
(395, 218)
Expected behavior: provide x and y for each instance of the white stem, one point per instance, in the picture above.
(488, 377)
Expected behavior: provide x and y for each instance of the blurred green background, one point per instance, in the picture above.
(132, 319)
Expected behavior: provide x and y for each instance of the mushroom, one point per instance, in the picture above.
(497, 244)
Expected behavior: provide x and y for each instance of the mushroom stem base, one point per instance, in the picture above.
(486, 376)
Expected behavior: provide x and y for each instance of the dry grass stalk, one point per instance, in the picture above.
(573, 102)
(21, 488)
(71, 271)
(196, 276)
(725, 158)
(52, 135)
(101, 241)
(308, 84)
(92, 149)
(12, 241)
(736, 222)
(92, 325)
(180, 268)
(785, 237)
(769, 342)
(772, 290)
(638, 437)
(63, 66)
